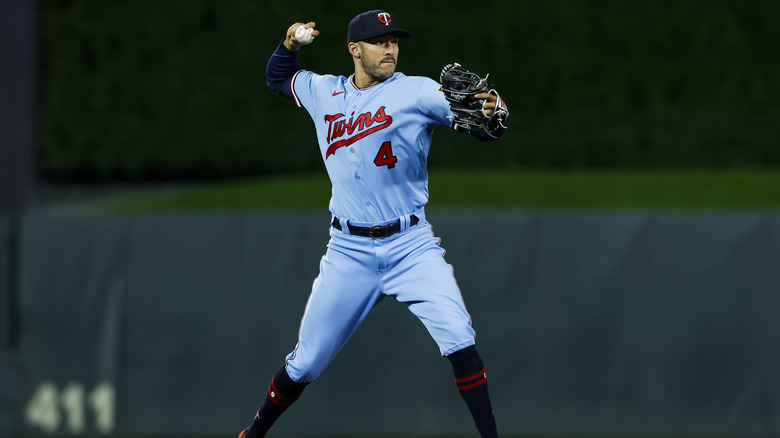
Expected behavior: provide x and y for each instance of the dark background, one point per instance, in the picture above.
(134, 90)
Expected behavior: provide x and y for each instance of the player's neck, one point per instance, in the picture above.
(363, 80)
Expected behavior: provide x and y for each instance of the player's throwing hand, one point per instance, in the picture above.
(300, 34)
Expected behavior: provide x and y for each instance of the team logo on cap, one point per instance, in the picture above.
(385, 18)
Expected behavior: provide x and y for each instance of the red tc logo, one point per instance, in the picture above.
(385, 18)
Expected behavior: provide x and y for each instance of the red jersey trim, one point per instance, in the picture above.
(292, 89)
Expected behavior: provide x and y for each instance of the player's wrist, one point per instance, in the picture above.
(498, 117)
(291, 45)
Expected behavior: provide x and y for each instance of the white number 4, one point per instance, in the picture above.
(44, 411)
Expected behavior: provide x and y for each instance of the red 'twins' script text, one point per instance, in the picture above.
(353, 128)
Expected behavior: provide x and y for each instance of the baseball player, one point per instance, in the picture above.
(374, 131)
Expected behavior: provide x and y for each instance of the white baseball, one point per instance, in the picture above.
(303, 35)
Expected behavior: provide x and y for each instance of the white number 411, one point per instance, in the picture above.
(47, 406)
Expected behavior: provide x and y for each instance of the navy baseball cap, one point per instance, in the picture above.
(373, 23)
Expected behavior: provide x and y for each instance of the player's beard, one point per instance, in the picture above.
(378, 72)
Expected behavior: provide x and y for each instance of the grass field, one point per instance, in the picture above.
(505, 189)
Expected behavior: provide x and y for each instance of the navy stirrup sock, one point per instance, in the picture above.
(472, 384)
(282, 392)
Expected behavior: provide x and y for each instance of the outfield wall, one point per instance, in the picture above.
(591, 324)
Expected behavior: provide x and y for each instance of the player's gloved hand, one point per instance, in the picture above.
(474, 103)
(293, 41)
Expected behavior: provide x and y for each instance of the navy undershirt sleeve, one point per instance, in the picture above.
(280, 70)
(484, 136)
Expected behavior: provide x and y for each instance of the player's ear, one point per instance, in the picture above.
(354, 49)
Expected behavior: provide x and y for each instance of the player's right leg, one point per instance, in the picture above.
(342, 296)
(282, 393)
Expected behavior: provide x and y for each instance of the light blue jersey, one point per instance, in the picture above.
(375, 145)
(374, 141)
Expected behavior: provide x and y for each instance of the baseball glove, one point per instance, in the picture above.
(459, 86)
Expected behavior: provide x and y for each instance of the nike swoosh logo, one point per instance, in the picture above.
(336, 93)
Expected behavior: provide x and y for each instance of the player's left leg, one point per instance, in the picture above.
(471, 378)
(425, 282)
